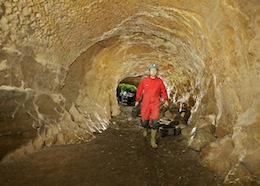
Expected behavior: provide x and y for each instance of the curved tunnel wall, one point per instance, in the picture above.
(61, 63)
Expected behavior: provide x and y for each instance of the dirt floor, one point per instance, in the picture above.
(119, 156)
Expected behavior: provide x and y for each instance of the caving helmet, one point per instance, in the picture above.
(153, 66)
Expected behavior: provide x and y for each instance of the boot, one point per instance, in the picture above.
(145, 130)
(153, 136)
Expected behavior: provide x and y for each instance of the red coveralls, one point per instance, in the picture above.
(151, 90)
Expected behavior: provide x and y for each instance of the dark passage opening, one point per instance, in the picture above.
(126, 91)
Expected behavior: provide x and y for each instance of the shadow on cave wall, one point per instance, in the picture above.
(9, 142)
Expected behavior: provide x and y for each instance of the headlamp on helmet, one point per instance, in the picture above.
(153, 66)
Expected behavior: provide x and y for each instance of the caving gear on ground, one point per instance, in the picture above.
(153, 138)
(153, 66)
(169, 130)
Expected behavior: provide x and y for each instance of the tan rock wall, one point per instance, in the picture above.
(61, 61)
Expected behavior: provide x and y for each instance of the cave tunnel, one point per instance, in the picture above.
(61, 63)
(126, 91)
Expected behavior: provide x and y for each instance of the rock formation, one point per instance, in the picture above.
(61, 61)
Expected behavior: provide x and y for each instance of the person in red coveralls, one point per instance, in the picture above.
(150, 90)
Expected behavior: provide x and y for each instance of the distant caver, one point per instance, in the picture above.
(150, 90)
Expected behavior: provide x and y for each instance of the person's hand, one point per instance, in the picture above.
(166, 103)
(136, 103)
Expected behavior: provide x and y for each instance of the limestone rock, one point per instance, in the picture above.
(60, 64)
(182, 126)
(246, 137)
(49, 142)
(60, 139)
(203, 124)
(187, 132)
(168, 114)
(199, 139)
(37, 143)
(216, 155)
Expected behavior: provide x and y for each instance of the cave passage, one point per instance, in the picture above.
(61, 63)
(126, 93)
(119, 156)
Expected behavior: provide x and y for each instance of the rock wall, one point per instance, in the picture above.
(61, 61)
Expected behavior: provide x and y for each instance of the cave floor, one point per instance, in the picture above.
(119, 156)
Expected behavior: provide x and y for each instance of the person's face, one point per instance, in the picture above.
(153, 72)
